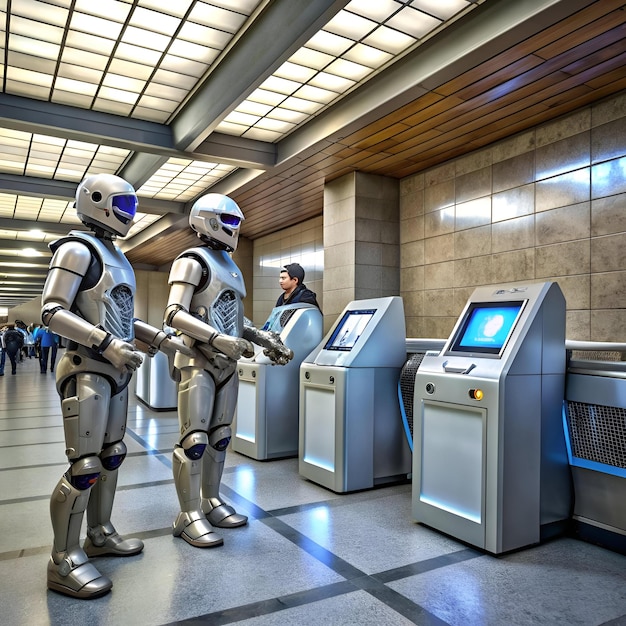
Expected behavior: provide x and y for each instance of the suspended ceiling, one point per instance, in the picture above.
(265, 100)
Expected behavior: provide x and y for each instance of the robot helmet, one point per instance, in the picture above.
(108, 202)
(217, 219)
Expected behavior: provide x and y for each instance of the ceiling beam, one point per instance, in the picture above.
(280, 29)
(53, 228)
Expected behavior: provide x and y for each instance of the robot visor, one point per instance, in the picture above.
(230, 220)
(125, 207)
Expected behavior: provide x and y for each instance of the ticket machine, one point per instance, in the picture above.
(351, 434)
(266, 421)
(490, 463)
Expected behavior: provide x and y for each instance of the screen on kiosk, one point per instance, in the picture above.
(487, 327)
(349, 329)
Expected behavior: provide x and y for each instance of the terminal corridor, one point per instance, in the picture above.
(307, 556)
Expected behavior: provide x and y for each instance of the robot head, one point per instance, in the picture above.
(106, 202)
(217, 219)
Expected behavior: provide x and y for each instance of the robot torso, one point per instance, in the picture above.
(218, 299)
(106, 296)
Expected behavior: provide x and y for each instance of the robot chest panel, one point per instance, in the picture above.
(110, 302)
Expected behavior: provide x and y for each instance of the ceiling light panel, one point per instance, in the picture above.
(137, 59)
(44, 209)
(182, 179)
(44, 156)
(351, 48)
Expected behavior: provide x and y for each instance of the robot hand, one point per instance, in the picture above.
(279, 355)
(273, 346)
(122, 355)
(233, 347)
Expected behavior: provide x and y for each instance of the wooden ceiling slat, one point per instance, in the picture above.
(586, 31)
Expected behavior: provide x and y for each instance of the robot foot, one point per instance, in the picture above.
(102, 541)
(195, 531)
(84, 581)
(224, 516)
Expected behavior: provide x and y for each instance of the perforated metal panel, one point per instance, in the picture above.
(597, 433)
(407, 386)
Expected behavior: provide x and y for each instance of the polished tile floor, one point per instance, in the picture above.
(308, 556)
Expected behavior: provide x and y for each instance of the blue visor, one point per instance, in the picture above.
(125, 207)
(230, 220)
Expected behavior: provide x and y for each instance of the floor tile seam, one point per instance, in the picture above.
(142, 453)
(48, 412)
(428, 565)
(154, 483)
(330, 503)
(398, 602)
(36, 443)
(262, 608)
(366, 582)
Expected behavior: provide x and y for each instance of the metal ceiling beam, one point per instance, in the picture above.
(8, 246)
(135, 135)
(54, 228)
(281, 28)
(37, 187)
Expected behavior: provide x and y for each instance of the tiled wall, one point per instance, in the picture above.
(302, 243)
(548, 204)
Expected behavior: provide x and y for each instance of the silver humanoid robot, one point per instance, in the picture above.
(88, 298)
(205, 306)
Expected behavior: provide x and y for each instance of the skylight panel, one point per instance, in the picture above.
(389, 40)
(350, 25)
(413, 23)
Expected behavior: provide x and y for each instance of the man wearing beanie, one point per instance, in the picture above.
(294, 290)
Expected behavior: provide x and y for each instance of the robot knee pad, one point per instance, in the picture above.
(220, 438)
(84, 472)
(113, 456)
(194, 445)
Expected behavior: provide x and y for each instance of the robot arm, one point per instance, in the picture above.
(154, 340)
(67, 269)
(185, 276)
(273, 346)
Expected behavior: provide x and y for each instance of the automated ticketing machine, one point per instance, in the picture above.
(351, 434)
(266, 421)
(490, 463)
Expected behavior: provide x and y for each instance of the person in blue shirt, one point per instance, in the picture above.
(48, 347)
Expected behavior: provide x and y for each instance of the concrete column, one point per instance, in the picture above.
(361, 241)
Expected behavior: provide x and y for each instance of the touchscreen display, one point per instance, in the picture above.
(487, 327)
(349, 329)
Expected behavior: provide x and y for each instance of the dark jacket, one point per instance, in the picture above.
(13, 339)
(300, 295)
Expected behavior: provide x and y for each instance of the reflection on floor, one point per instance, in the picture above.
(308, 556)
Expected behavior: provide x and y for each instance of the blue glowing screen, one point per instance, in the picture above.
(487, 327)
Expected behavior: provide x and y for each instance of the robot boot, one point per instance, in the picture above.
(191, 524)
(69, 569)
(102, 538)
(218, 513)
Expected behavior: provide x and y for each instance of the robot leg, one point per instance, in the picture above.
(191, 524)
(216, 510)
(102, 538)
(69, 569)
